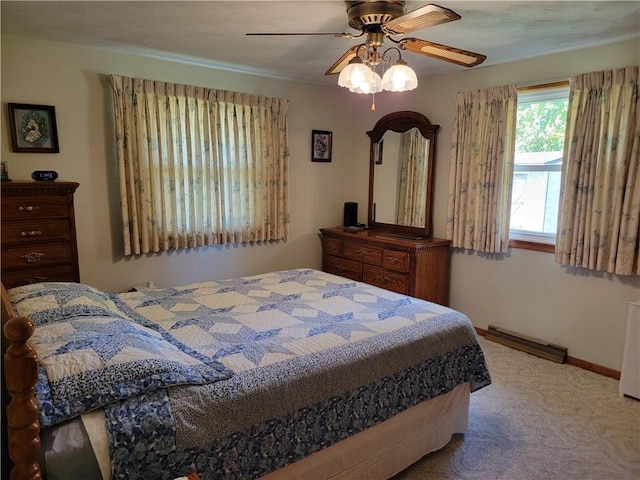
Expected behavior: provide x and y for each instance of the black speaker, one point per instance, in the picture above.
(350, 214)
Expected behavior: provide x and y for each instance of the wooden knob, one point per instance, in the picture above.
(18, 329)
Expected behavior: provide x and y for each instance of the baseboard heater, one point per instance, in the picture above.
(534, 346)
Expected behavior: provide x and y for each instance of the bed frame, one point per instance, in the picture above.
(379, 452)
(20, 425)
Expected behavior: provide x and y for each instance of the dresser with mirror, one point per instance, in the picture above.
(397, 251)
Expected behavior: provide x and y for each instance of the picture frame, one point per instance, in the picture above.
(321, 145)
(33, 128)
(377, 152)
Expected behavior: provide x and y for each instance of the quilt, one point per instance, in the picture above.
(299, 360)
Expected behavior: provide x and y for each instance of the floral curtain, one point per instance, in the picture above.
(199, 166)
(481, 169)
(414, 159)
(599, 216)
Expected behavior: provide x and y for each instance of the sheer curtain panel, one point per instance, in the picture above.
(199, 166)
(414, 150)
(599, 217)
(481, 169)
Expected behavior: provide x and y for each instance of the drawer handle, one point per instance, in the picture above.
(361, 253)
(28, 208)
(333, 246)
(33, 257)
(383, 279)
(392, 260)
(37, 279)
(341, 268)
(31, 233)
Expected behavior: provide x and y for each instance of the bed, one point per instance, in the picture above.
(291, 374)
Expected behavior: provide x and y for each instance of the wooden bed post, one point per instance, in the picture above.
(20, 373)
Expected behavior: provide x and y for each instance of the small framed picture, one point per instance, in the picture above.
(33, 128)
(320, 146)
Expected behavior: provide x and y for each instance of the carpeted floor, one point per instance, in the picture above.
(540, 420)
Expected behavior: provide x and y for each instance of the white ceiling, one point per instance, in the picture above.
(213, 32)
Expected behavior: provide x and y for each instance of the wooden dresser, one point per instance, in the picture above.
(419, 268)
(38, 233)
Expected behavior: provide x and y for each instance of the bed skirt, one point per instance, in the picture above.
(389, 447)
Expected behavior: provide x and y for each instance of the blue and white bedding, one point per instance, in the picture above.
(237, 378)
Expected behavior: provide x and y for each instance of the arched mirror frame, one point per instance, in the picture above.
(402, 122)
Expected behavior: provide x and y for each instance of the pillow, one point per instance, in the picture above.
(49, 302)
(88, 362)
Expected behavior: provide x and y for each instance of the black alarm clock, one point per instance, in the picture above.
(44, 175)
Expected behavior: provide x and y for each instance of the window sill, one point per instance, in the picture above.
(538, 247)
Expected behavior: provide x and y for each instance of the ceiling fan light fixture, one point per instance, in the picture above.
(399, 78)
(378, 20)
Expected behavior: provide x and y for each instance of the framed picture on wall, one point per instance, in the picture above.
(321, 146)
(33, 128)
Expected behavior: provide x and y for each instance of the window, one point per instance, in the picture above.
(199, 166)
(540, 131)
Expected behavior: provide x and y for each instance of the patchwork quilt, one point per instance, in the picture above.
(237, 378)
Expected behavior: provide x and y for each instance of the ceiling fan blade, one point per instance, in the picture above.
(427, 16)
(442, 52)
(343, 61)
(343, 35)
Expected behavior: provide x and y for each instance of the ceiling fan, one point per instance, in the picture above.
(381, 20)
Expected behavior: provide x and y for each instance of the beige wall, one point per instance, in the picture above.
(523, 291)
(73, 79)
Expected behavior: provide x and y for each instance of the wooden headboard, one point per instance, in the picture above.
(20, 425)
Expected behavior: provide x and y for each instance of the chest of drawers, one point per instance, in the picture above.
(38, 233)
(419, 268)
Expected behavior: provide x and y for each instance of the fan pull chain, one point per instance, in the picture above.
(373, 102)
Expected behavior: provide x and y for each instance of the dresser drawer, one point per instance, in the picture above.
(394, 281)
(342, 266)
(362, 253)
(35, 256)
(332, 246)
(22, 208)
(42, 231)
(60, 273)
(398, 261)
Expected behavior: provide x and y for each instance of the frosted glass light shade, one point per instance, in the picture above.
(399, 78)
(354, 74)
(373, 84)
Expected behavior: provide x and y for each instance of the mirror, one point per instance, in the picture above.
(401, 174)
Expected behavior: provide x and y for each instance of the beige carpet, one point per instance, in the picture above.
(540, 420)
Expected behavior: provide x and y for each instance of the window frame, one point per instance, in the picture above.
(523, 239)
